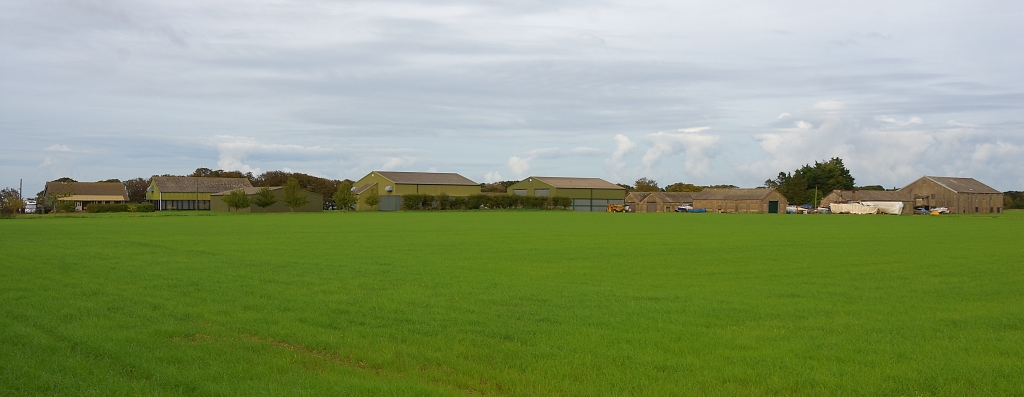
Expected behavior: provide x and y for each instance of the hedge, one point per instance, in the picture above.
(421, 202)
(131, 207)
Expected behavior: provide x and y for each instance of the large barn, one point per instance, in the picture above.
(189, 192)
(85, 193)
(760, 200)
(587, 194)
(869, 196)
(391, 185)
(315, 201)
(959, 195)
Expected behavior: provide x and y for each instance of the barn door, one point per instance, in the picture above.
(773, 207)
(652, 207)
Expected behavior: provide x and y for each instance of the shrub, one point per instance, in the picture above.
(477, 201)
(561, 202)
(99, 208)
(144, 207)
(459, 203)
(64, 206)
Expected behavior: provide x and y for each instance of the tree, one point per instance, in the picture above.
(293, 195)
(237, 199)
(495, 187)
(343, 198)
(683, 187)
(136, 189)
(11, 201)
(646, 185)
(52, 198)
(264, 198)
(372, 199)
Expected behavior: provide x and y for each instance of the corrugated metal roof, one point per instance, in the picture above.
(190, 184)
(962, 185)
(673, 197)
(733, 194)
(427, 178)
(102, 191)
(577, 183)
(871, 195)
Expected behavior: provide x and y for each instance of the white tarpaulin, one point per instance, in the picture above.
(852, 209)
(886, 207)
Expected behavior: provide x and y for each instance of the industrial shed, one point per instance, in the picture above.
(959, 195)
(188, 192)
(869, 196)
(666, 201)
(391, 185)
(315, 204)
(85, 193)
(758, 200)
(587, 194)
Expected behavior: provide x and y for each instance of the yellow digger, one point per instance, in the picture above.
(616, 208)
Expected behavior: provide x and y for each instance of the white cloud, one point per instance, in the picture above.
(616, 165)
(912, 120)
(492, 177)
(697, 150)
(58, 148)
(395, 163)
(520, 167)
(694, 129)
(232, 151)
(829, 105)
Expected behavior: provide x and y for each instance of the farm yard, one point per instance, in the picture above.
(511, 303)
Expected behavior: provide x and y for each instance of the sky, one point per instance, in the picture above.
(719, 92)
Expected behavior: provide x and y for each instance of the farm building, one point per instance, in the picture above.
(959, 195)
(188, 192)
(869, 196)
(757, 200)
(315, 204)
(633, 200)
(391, 185)
(85, 193)
(665, 201)
(587, 194)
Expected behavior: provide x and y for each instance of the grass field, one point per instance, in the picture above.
(511, 303)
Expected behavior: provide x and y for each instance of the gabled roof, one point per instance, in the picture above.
(871, 195)
(84, 191)
(577, 183)
(673, 197)
(361, 189)
(427, 178)
(637, 196)
(191, 184)
(961, 185)
(248, 190)
(733, 194)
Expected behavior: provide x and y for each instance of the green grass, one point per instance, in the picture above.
(511, 303)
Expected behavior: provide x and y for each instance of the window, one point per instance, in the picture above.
(933, 196)
(975, 210)
(519, 192)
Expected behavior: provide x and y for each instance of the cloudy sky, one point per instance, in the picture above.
(716, 92)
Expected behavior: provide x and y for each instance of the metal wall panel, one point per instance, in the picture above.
(390, 203)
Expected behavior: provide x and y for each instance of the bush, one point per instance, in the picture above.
(64, 206)
(412, 202)
(415, 202)
(477, 201)
(98, 208)
(561, 202)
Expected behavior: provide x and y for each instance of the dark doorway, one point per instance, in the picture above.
(773, 207)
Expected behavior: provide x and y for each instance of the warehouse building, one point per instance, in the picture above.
(767, 201)
(391, 185)
(959, 195)
(869, 197)
(315, 201)
(587, 194)
(188, 192)
(85, 193)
